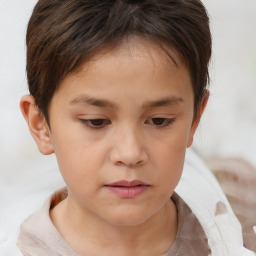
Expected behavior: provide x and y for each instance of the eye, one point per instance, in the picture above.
(95, 123)
(160, 121)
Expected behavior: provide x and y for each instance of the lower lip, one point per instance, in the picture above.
(128, 192)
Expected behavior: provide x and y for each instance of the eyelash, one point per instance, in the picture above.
(89, 123)
(102, 123)
(165, 122)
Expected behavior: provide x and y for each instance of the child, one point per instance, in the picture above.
(117, 89)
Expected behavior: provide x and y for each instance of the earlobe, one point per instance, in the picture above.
(37, 124)
(197, 118)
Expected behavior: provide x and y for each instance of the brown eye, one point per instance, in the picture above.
(95, 123)
(160, 121)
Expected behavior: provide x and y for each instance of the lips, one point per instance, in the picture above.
(125, 183)
(127, 189)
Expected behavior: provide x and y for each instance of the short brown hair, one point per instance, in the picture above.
(64, 34)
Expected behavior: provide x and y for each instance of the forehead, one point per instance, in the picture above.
(134, 48)
(137, 64)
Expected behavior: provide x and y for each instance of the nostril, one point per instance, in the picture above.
(139, 163)
(220, 208)
(120, 163)
(131, 164)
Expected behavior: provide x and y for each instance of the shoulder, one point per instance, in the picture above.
(191, 238)
(202, 193)
(38, 235)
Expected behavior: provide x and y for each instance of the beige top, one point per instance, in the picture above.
(39, 237)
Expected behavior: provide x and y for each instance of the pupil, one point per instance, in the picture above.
(97, 122)
(158, 121)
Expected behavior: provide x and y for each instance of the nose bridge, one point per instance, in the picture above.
(128, 148)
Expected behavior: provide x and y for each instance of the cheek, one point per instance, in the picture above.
(169, 155)
(78, 160)
(79, 170)
(71, 144)
(172, 168)
(170, 149)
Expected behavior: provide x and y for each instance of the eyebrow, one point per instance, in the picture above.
(93, 101)
(173, 100)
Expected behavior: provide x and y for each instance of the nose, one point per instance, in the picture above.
(128, 148)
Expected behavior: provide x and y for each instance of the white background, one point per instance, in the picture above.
(228, 127)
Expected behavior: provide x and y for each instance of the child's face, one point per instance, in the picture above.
(126, 116)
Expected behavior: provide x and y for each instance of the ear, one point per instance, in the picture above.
(197, 118)
(37, 124)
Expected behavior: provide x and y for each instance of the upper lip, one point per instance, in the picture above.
(126, 183)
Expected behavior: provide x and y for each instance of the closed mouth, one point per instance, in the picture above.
(127, 189)
(125, 183)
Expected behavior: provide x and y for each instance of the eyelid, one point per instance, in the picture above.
(166, 122)
(88, 123)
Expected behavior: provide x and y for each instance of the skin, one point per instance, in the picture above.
(143, 106)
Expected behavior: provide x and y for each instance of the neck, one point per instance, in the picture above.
(90, 235)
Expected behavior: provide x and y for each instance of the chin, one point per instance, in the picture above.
(126, 218)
